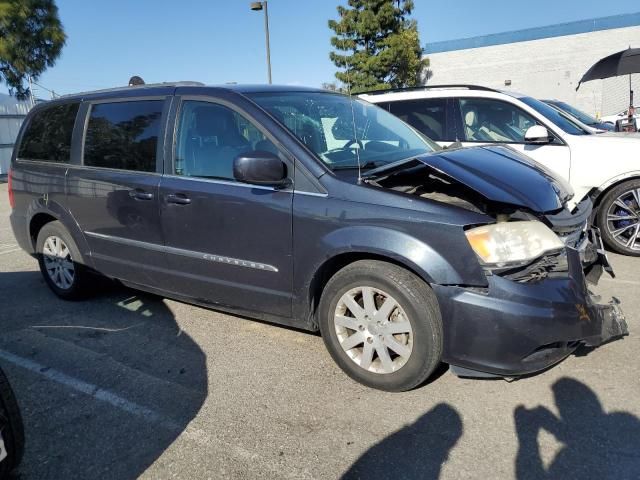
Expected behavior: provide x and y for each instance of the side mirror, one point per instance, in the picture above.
(260, 168)
(538, 135)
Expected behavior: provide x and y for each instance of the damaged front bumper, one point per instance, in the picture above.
(613, 323)
(516, 328)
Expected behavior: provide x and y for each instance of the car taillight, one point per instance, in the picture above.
(12, 202)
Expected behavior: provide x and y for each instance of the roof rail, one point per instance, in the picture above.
(429, 87)
(185, 83)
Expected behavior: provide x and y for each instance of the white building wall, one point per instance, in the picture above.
(546, 68)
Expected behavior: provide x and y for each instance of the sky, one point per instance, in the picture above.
(218, 41)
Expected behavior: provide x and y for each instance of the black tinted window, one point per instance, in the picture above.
(48, 134)
(428, 116)
(123, 135)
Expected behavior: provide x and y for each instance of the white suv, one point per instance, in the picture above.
(604, 167)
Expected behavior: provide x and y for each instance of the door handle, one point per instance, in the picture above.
(139, 194)
(178, 198)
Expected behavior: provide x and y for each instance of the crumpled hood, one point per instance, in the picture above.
(498, 173)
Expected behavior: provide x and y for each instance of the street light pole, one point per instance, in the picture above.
(256, 6)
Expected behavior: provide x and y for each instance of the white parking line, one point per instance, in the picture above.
(617, 280)
(192, 433)
(10, 251)
(84, 387)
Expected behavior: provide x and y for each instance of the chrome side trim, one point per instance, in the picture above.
(310, 194)
(210, 257)
(230, 183)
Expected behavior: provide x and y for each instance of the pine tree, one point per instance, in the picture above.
(377, 45)
(31, 39)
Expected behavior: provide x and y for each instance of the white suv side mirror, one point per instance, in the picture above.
(537, 134)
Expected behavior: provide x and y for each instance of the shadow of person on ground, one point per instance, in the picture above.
(416, 451)
(105, 385)
(596, 444)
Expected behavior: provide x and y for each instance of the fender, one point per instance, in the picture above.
(416, 254)
(446, 260)
(617, 179)
(44, 205)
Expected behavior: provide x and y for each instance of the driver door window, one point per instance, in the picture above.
(210, 137)
(493, 121)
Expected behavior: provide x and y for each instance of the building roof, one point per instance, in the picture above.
(11, 107)
(538, 33)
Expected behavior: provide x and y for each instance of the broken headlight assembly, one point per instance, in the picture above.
(508, 245)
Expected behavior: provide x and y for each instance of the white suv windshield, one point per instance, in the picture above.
(342, 131)
(554, 116)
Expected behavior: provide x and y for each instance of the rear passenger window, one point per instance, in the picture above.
(123, 135)
(48, 134)
(428, 116)
(211, 136)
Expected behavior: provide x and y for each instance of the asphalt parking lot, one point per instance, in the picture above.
(128, 384)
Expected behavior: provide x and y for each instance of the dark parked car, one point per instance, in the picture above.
(580, 115)
(11, 430)
(311, 209)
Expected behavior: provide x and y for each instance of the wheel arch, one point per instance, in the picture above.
(599, 193)
(36, 223)
(439, 258)
(333, 265)
(42, 214)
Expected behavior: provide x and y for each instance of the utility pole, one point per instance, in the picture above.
(257, 6)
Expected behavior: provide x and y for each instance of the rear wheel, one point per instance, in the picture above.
(619, 218)
(60, 262)
(382, 325)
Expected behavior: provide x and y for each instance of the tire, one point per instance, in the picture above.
(413, 349)
(627, 239)
(13, 431)
(67, 259)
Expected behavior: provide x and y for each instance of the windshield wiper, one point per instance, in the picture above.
(369, 164)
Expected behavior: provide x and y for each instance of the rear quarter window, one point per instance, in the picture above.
(123, 135)
(48, 134)
(428, 116)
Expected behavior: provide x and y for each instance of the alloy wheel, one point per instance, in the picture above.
(373, 330)
(58, 262)
(623, 219)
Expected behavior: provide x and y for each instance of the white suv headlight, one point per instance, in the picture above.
(508, 243)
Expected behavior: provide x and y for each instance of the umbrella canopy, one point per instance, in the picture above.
(625, 62)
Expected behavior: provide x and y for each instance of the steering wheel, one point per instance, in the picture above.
(353, 142)
(348, 145)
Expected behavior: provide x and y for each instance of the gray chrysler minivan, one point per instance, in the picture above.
(314, 210)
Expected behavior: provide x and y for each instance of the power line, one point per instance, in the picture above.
(53, 94)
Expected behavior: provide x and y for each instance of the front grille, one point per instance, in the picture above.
(550, 265)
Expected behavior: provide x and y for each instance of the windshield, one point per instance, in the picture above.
(343, 131)
(579, 114)
(554, 116)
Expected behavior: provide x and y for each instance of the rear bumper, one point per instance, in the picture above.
(513, 328)
(21, 231)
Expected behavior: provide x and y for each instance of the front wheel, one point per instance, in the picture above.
(382, 325)
(619, 218)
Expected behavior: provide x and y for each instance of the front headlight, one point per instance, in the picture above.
(508, 243)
